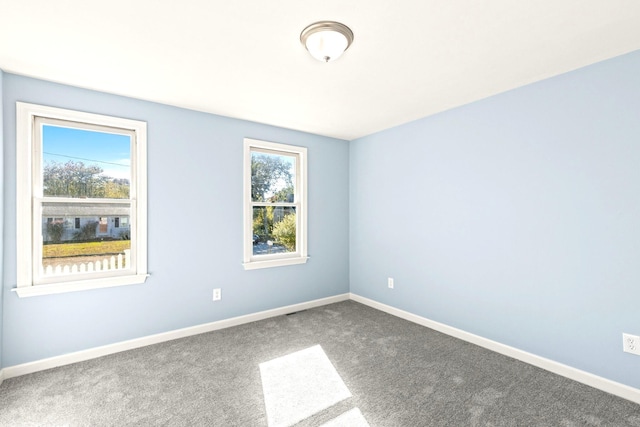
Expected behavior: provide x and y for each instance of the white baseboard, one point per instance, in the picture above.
(621, 390)
(615, 388)
(92, 353)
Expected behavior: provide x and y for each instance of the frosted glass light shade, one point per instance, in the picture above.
(327, 40)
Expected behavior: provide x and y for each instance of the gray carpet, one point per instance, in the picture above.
(398, 374)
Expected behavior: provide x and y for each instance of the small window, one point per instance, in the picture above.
(75, 171)
(275, 207)
(116, 222)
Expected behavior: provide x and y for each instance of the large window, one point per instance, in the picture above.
(275, 208)
(81, 200)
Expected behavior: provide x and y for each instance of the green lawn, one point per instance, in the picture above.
(84, 249)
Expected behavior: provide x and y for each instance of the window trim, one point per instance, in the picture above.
(26, 115)
(252, 262)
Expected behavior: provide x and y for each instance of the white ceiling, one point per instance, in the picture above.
(243, 58)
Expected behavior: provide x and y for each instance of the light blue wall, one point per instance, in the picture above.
(195, 230)
(515, 218)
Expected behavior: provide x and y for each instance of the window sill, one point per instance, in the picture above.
(281, 262)
(63, 287)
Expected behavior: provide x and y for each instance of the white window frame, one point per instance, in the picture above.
(300, 256)
(29, 239)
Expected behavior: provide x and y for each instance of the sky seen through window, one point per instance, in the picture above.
(110, 151)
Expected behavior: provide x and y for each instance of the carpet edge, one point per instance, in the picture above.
(609, 386)
(93, 353)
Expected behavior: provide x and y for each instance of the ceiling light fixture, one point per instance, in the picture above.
(326, 40)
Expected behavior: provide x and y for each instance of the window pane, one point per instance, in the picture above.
(96, 245)
(274, 230)
(85, 163)
(272, 177)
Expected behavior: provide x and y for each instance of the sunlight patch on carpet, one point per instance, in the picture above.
(299, 385)
(351, 418)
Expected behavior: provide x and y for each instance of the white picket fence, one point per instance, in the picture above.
(114, 262)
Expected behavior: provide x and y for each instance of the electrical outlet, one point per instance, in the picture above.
(631, 344)
(390, 282)
(217, 294)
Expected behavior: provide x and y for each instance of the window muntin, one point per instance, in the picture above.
(81, 170)
(275, 204)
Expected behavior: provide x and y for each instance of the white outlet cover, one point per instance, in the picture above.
(631, 344)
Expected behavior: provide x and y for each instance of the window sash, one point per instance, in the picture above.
(37, 166)
(39, 277)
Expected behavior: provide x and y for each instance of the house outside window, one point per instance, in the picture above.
(275, 204)
(76, 171)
